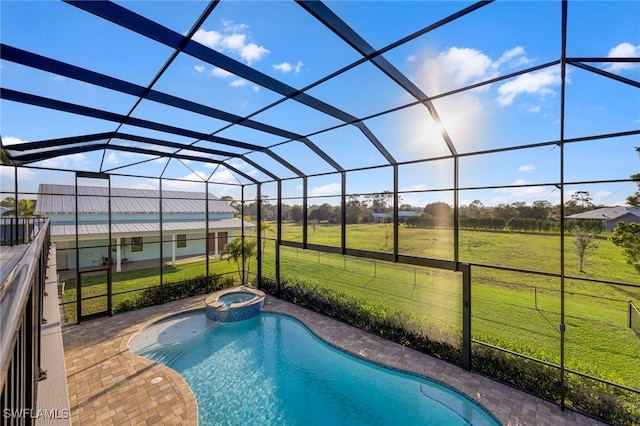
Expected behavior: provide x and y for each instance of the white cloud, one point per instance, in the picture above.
(223, 175)
(72, 161)
(601, 197)
(416, 187)
(234, 41)
(8, 175)
(527, 194)
(199, 68)
(112, 158)
(252, 52)
(231, 26)
(328, 189)
(11, 140)
(527, 168)
(465, 116)
(623, 50)
(461, 66)
(536, 83)
(183, 184)
(219, 72)
(239, 82)
(454, 68)
(233, 38)
(142, 186)
(284, 67)
(209, 38)
(512, 58)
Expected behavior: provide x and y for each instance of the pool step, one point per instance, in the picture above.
(165, 358)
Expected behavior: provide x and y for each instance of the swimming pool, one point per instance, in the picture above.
(272, 370)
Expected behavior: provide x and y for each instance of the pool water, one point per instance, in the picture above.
(272, 370)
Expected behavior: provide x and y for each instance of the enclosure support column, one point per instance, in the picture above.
(278, 238)
(395, 213)
(466, 316)
(563, 71)
(242, 231)
(161, 236)
(456, 211)
(110, 250)
(259, 236)
(343, 214)
(173, 249)
(16, 203)
(305, 219)
(77, 250)
(206, 231)
(118, 256)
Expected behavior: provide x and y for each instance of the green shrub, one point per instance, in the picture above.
(168, 292)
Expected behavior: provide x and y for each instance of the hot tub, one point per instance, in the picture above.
(234, 304)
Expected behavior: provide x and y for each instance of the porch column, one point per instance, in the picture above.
(118, 262)
(216, 244)
(173, 249)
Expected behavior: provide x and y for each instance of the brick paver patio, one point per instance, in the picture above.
(110, 385)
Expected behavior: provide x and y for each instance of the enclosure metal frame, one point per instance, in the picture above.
(23, 155)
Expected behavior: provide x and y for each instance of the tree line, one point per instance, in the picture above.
(540, 216)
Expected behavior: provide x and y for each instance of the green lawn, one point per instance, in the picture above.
(516, 311)
(126, 286)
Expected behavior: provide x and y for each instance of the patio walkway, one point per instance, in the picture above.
(109, 385)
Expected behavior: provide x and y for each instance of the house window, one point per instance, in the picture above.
(136, 244)
(182, 240)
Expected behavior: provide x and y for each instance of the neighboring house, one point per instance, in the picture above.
(388, 217)
(135, 224)
(610, 216)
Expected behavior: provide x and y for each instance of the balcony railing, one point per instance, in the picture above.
(21, 298)
(19, 230)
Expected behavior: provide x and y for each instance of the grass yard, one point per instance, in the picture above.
(513, 310)
(126, 286)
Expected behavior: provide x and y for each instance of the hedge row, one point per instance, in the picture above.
(168, 292)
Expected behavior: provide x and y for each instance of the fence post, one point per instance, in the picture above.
(466, 316)
(535, 293)
(630, 314)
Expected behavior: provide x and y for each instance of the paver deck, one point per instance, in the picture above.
(110, 385)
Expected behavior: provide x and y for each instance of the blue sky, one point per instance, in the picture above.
(281, 40)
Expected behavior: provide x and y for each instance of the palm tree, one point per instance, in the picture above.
(265, 226)
(238, 249)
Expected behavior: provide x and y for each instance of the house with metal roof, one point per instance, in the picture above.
(187, 223)
(610, 216)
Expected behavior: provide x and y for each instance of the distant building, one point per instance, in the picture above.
(388, 217)
(135, 224)
(610, 216)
